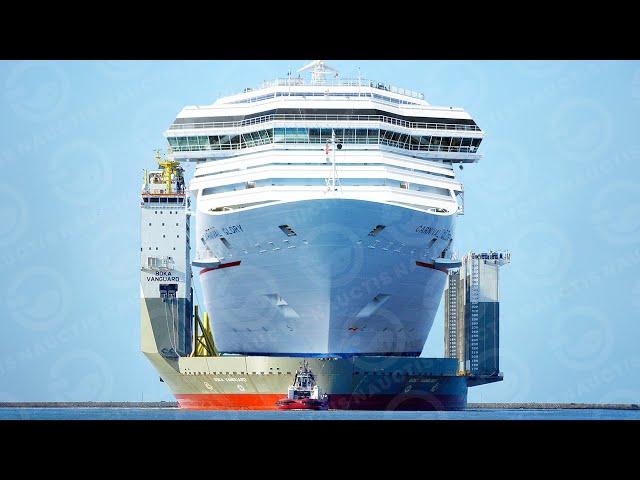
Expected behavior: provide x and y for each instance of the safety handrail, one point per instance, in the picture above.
(325, 117)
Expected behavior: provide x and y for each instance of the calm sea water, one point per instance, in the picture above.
(176, 414)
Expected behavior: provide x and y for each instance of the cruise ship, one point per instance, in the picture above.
(325, 213)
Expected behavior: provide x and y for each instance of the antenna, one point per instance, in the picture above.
(319, 71)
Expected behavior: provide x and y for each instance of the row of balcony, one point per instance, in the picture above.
(326, 118)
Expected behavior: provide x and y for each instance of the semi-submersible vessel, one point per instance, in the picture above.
(324, 215)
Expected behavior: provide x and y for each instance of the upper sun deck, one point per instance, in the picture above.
(334, 87)
(318, 97)
(299, 111)
(320, 85)
(325, 90)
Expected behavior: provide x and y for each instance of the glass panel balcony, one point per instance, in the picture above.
(427, 143)
(328, 118)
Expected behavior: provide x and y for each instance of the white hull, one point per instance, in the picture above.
(313, 293)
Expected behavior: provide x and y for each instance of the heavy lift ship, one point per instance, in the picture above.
(179, 342)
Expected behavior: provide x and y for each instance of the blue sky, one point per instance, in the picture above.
(557, 186)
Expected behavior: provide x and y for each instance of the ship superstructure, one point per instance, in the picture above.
(165, 276)
(320, 208)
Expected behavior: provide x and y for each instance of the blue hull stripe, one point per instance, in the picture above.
(324, 355)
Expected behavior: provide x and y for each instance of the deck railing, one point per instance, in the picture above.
(325, 117)
(346, 82)
(382, 141)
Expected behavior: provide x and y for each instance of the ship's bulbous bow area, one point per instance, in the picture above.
(324, 277)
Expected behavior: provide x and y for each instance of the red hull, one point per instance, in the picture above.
(254, 401)
(240, 401)
(302, 404)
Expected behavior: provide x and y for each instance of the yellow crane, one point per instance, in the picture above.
(169, 167)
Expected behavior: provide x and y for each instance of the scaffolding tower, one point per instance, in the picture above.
(471, 311)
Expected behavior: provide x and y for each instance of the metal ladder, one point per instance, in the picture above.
(474, 297)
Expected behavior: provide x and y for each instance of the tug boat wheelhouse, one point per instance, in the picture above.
(304, 393)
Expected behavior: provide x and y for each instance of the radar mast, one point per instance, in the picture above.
(319, 71)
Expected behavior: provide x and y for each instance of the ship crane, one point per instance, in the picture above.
(169, 167)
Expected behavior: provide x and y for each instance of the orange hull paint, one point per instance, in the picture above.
(258, 401)
(237, 401)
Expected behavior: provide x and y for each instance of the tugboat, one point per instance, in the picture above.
(304, 394)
